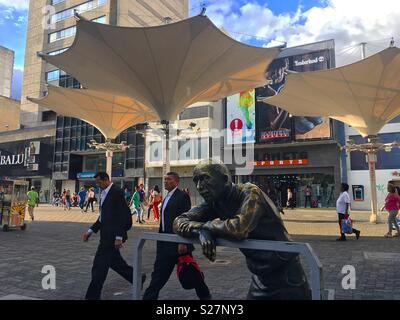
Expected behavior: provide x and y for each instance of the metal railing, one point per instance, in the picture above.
(294, 247)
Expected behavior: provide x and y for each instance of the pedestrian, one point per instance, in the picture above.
(307, 196)
(157, 199)
(392, 205)
(127, 195)
(67, 200)
(290, 200)
(150, 204)
(143, 204)
(113, 223)
(56, 198)
(175, 203)
(33, 201)
(342, 209)
(82, 197)
(135, 204)
(90, 200)
(75, 200)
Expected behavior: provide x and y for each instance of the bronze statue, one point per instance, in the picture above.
(239, 212)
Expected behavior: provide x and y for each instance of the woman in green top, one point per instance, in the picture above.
(33, 200)
(135, 204)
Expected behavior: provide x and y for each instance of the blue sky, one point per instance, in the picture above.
(264, 23)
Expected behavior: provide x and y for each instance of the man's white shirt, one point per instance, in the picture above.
(164, 205)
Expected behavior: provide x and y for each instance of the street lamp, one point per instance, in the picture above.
(371, 149)
(109, 148)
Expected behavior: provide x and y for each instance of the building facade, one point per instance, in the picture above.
(51, 30)
(298, 153)
(6, 71)
(9, 114)
(387, 167)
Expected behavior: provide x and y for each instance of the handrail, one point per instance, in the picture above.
(295, 247)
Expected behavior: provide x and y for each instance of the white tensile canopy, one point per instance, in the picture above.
(166, 68)
(110, 114)
(364, 95)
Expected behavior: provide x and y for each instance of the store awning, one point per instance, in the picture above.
(110, 114)
(365, 95)
(166, 68)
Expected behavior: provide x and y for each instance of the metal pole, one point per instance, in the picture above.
(109, 157)
(166, 164)
(363, 45)
(371, 157)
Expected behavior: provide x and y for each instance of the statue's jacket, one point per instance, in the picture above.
(246, 212)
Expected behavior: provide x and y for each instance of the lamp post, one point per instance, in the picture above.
(371, 149)
(109, 148)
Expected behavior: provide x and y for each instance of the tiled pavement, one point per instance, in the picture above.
(54, 238)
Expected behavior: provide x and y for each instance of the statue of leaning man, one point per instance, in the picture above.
(239, 212)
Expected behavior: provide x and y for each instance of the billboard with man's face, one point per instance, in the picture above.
(276, 125)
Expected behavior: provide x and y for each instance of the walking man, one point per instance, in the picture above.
(175, 203)
(113, 223)
(33, 201)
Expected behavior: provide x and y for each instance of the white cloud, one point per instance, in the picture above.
(348, 22)
(15, 4)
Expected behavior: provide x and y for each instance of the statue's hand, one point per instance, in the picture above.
(208, 244)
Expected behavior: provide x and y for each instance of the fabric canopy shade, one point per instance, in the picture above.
(365, 95)
(110, 114)
(165, 68)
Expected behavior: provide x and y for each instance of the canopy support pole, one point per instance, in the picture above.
(109, 157)
(372, 159)
(166, 156)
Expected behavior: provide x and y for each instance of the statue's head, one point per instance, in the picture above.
(212, 180)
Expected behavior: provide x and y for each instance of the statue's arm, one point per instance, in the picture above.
(188, 224)
(244, 222)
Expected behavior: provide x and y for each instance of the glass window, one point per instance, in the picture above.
(58, 157)
(59, 145)
(54, 2)
(62, 34)
(185, 149)
(53, 75)
(155, 151)
(68, 13)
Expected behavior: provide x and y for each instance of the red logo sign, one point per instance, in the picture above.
(277, 163)
(236, 125)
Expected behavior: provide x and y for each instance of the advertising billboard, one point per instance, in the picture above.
(241, 118)
(276, 125)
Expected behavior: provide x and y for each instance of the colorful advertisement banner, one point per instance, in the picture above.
(241, 118)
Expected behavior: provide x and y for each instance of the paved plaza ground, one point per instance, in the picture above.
(54, 238)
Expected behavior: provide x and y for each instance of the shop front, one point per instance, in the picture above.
(29, 160)
(311, 172)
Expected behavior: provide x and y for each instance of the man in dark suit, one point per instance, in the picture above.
(113, 223)
(175, 203)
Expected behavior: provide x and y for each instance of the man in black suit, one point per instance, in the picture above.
(175, 203)
(113, 223)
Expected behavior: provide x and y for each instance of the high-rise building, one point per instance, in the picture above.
(51, 30)
(6, 71)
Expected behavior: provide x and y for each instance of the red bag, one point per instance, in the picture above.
(188, 272)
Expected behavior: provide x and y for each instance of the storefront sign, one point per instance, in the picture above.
(277, 163)
(86, 175)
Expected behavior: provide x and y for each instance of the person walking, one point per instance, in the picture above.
(67, 200)
(90, 200)
(392, 205)
(150, 204)
(175, 203)
(290, 201)
(307, 196)
(33, 201)
(135, 204)
(82, 198)
(113, 223)
(143, 204)
(342, 209)
(156, 195)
